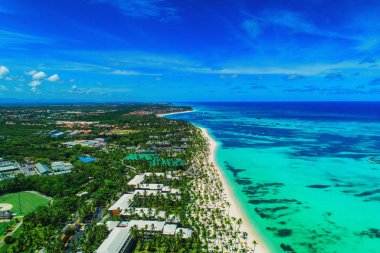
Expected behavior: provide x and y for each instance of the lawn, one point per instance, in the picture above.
(29, 202)
(3, 226)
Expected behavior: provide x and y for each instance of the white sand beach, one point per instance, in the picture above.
(166, 114)
(235, 210)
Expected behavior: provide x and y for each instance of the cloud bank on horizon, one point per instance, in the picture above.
(190, 50)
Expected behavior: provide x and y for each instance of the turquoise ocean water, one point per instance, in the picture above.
(306, 174)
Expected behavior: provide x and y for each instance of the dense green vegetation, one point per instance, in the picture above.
(102, 181)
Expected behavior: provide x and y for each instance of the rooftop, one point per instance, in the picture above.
(169, 229)
(138, 179)
(150, 225)
(42, 168)
(115, 240)
(122, 203)
(186, 232)
(150, 186)
(155, 160)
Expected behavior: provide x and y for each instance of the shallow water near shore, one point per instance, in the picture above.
(302, 172)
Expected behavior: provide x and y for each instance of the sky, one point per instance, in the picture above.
(189, 50)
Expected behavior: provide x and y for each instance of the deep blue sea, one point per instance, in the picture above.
(307, 174)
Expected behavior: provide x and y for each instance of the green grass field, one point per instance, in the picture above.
(2, 227)
(29, 202)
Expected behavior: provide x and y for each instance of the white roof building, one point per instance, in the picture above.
(138, 179)
(166, 189)
(117, 241)
(150, 186)
(169, 229)
(150, 225)
(123, 203)
(148, 192)
(175, 191)
(141, 212)
(158, 174)
(112, 224)
(186, 232)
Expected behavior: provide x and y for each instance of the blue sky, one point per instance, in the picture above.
(188, 50)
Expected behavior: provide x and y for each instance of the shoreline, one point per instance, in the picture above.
(235, 210)
(172, 113)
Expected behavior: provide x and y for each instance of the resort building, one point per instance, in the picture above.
(8, 169)
(97, 143)
(138, 179)
(118, 241)
(151, 213)
(155, 187)
(155, 160)
(75, 123)
(61, 166)
(56, 133)
(42, 169)
(121, 204)
(121, 241)
(169, 229)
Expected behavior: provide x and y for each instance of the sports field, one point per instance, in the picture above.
(29, 202)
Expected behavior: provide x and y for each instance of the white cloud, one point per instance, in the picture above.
(74, 87)
(3, 88)
(34, 83)
(53, 78)
(3, 71)
(34, 89)
(36, 75)
(39, 75)
(304, 70)
(133, 73)
(30, 73)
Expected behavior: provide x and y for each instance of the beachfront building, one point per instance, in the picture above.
(154, 160)
(138, 182)
(121, 204)
(120, 239)
(9, 169)
(140, 178)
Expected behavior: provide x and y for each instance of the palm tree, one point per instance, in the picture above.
(254, 245)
